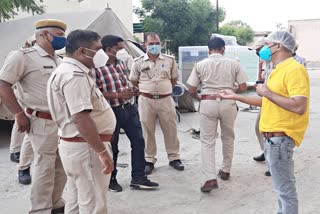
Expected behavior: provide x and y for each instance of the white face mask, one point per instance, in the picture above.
(121, 53)
(100, 59)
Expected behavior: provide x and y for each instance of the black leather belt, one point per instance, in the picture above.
(123, 106)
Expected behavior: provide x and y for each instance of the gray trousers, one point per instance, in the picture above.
(279, 152)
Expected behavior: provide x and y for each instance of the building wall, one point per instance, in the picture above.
(122, 8)
(307, 34)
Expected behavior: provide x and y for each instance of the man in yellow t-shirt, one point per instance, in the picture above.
(284, 114)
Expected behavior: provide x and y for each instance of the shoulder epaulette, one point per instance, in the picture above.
(27, 50)
(170, 56)
(140, 57)
(78, 73)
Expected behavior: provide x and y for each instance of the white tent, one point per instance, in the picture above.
(15, 33)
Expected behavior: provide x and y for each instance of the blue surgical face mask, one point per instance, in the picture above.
(265, 53)
(58, 42)
(154, 49)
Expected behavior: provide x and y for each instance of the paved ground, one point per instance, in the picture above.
(248, 191)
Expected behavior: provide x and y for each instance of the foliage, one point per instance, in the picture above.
(204, 15)
(9, 8)
(242, 31)
(183, 22)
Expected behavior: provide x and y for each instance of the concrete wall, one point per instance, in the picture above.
(123, 8)
(307, 34)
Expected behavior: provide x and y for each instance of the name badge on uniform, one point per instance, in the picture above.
(47, 67)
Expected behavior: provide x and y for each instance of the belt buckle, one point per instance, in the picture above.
(156, 97)
(122, 106)
(34, 113)
(218, 99)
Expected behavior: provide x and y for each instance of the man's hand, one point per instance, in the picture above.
(126, 94)
(135, 90)
(107, 162)
(262, 90)
(23, 122)
(227, 94)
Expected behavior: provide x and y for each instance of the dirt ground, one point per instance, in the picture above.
(247, 192)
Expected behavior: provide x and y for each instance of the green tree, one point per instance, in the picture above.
(242, 31)
(9, 8)
(204, 15)
(183, 22)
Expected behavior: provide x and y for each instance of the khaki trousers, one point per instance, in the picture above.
(258, 134)
(20, 142)
(16, 139)
(163, 109)
(48, 176)
(26, 154)
(87, 186)
(212, 112)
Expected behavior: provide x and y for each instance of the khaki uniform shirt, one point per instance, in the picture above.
(30, 69)
(154, 77)
(71, 90)
(216, 73)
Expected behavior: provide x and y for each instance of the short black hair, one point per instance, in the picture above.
(216, 43)
(151, 34)
(109, 41)
(80, 38)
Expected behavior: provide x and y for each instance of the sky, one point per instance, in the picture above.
(263, 15)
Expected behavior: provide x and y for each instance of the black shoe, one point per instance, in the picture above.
(59, 210)
(259, 158)
(24, 176)
(148, 168)
(267, 173)
(15, 157)
(224, 175)
(114, 186)
(143, 183)
(177, 164)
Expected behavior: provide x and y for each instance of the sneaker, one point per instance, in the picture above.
(143, 183)
(15, 157)
(259, 158)
(24, 176)
(209, 185)
(114, 186)
(177, 165)
(148, 168)
(59, 210)
(267, 173)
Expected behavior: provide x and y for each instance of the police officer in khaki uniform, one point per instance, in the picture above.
(215, 73)
(20, 145)
(155, 74)
(30, 69)
(86, 123)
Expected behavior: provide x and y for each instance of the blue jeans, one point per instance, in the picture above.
(278, 153)
(128, 119)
